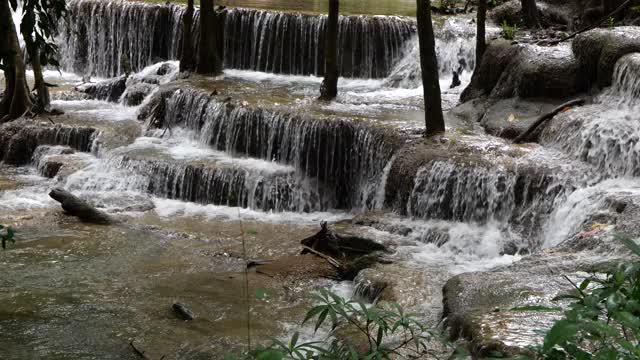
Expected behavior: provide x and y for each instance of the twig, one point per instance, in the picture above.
(51, 120)
(546, 117)
(331, 260)
(594, 25)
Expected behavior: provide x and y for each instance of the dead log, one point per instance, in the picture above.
(79, 208)
(524, 137)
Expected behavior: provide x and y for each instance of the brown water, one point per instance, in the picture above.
(71, 290)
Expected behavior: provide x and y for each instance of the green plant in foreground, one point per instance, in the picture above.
(6, 236)
(384, 332)
(603, 322)
(508, 31)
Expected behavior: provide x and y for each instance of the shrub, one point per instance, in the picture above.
(508, 31)
(603, 321)
(385, 330)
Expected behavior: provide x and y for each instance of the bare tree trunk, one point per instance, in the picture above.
(530, 13)
(434, 120)
(208, 60)
(16, 101)
(329, 87)
(187, 62)
(481, 40)
(44, 99)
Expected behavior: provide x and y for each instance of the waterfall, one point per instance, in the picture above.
(521, 196)
(349, 156)
(603, 135)
(100, 33)
(455, 48)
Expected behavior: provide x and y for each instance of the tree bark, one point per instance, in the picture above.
(187, 62)
(481, 37)
(16, 101)
(530, 13)
(434, 120)
(44, 99)
(208, 60)
(329, 87)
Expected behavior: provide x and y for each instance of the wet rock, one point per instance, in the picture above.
(298, 267)
(166, 68)
(509, 118)
(109, 90)
(526, 71)
(69, 95)
(135, 94)
(182, 311)
(19, 139)
(598, 50)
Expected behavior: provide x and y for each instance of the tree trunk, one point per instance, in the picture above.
(44, 99)
(329, 87)
(481, 40)
(434, 120)
(187, 62)
(208, 60)
(530, 13)
(16, 100)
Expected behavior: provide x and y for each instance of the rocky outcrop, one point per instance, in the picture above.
(526, 71)
(551, 13)
(19, 139)
(135, 94)
(597, 52)
(110, 90)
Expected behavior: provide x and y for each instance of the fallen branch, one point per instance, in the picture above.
(594, 25)
(79, 208)
(546, 117)
(329, 259)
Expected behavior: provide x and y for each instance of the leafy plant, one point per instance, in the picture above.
(385, 331)
(610, 22)
(508, 31)
(7, 235)
(603, 322)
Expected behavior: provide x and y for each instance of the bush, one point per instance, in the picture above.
(603, 322)
(508, 31)
(385, 331)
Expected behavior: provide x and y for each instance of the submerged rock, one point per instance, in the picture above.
(109, 90)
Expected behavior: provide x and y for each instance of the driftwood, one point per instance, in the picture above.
(544, 118)
(79, 208)
(594, 25)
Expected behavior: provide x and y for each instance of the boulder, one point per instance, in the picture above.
(135, 94)
(598, 50)
(79, 208)
(110, 90)
(165, 69)
(550, 13)
(525, 71)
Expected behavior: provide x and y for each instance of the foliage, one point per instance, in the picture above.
(603, 322)
(384, 332)
(508, 31)
(6, 236)
(39, 26)
(610, 22)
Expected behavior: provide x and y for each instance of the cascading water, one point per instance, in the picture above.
(603, 135)
(348, 155)
(101, 33)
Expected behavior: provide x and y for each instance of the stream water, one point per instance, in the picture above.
(263, 163)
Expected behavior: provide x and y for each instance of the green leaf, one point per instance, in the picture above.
(321, 318)
(261, 293)
(294, 340)
(561, 331)
(631, 245)
(585, 283)
(270, 355)
(313, 312)
(627, 319)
